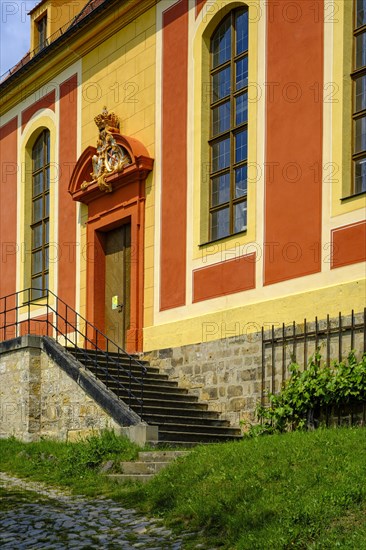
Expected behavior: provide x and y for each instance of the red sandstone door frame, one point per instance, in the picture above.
(133, 214)
(124, 203)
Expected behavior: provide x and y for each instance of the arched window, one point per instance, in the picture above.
(229, 126)
(359, 98)
(40, 214)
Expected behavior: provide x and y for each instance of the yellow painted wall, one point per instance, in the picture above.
(248, 319)
(83, 248)
(120, 73)
(59, 13)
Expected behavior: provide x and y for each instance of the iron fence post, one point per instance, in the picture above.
(340, 337)
(263, 367)
(16, 314)
(29, 299)
(129, 387)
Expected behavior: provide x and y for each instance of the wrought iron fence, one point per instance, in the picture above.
(20, 314)
(332, 337)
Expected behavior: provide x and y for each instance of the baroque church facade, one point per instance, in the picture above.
(184, 173)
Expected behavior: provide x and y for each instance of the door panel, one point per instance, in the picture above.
(117, 283)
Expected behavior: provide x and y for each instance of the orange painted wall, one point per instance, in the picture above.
(46, 102)
(224, 278)
(67, 208)
(38, 326)
(199, 6)
(8, 207)
(348, 244)
(174, 156)
(294, 139)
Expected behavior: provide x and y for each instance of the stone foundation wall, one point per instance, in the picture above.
(38, 399)
(228, 373)
(65, 409)
(15, 418)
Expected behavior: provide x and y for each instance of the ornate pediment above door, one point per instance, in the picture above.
(116, 161)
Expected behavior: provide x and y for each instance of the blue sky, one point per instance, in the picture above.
(14, 31)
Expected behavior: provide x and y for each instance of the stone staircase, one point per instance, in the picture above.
(181, 418)
(147, 465)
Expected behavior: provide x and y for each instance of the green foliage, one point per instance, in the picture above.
(91, 452)
(293, 490)
(73, 464)
(285, 491)
(309, 391)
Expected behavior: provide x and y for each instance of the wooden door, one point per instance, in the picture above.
(117, 284)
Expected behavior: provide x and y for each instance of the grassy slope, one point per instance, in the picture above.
(298, 490)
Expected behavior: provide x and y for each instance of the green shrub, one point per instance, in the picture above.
(316, 388)
(88, 454)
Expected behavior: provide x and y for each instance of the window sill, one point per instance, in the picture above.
(355, 196)
(223, 238)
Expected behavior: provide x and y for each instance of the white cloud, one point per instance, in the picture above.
(14, 31)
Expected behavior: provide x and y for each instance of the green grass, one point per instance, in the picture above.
(297, 490)
(72, 465)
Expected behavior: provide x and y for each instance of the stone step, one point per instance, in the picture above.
(112, 365)
(89, 357)
(177, 444)
(137, 468)
(100, 353)
(149, 386)
(123, 478)
(185, 412)
(150, 379)
(90, 362)
(149, 395)
(171, 406)
(148, 464)
(161, 420)
(119, 355)
(191, 437)
(181, 418)
(161, 456)
(201, 428)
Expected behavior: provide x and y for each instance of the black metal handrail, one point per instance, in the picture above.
(17, 318)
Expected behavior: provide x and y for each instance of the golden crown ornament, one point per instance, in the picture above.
(107, 120)
(110, 157)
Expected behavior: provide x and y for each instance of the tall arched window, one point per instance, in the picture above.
(359, 98)
(229, 126)
(40, 214)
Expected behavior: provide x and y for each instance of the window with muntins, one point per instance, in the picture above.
(359, 98)
(229, 126)
(40, 214)
(42, 32)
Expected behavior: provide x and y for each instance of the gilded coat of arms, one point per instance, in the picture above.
(110, 157)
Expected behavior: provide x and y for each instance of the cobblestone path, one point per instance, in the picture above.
(35, 516)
